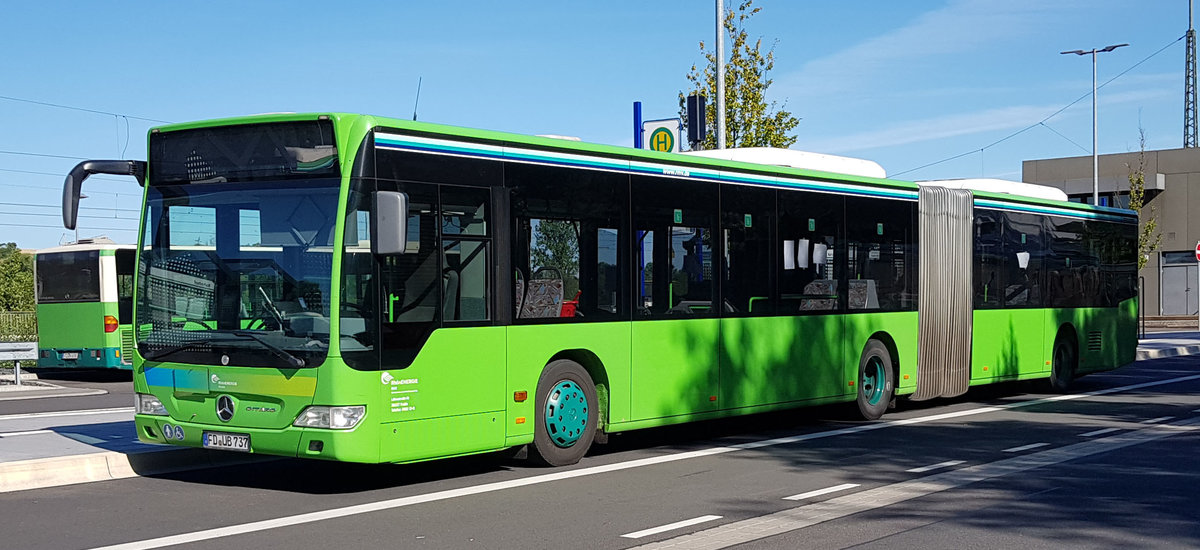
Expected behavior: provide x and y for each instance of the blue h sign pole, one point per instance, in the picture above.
(637, 124)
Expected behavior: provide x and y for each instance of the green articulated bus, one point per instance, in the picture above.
(85, 304)
(366, 289)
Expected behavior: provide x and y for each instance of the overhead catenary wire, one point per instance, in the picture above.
(82, 109)
(1042, 121)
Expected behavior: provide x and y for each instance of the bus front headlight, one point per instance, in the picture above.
(334, 418)
(145, 403)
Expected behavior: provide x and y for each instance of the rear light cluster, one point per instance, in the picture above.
(110, 323)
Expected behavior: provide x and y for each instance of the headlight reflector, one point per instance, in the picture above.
(145, 403)
(334, 418)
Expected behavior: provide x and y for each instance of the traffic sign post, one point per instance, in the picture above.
(662, 135)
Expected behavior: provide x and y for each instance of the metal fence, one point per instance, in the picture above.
(18, 326)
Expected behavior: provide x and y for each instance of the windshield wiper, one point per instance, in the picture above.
(155, 356)
(278, 351)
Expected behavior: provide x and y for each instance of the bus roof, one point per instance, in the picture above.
(84, 245)
(786, 166)
(1006, 187)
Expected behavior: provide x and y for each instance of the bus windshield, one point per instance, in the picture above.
(237, 273)
(68, 277)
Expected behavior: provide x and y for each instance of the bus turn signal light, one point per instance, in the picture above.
(110, 323)
(520, 396)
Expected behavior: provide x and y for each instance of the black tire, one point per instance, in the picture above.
(1062, 366)
(568, 438)
(876, 381)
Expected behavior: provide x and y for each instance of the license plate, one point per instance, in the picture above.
(227, 441)
(70, 355)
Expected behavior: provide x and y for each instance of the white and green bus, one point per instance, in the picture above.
(84, 294)
(367, 289)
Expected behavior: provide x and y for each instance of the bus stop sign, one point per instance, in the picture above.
(1198, 251)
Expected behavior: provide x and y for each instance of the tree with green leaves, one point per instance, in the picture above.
(1149, 238)
(750, 120)
(16, 279)
(556, 245)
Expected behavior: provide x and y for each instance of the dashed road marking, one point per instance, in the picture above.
(1157, 420)
(30, 432)
(1025, 447)
(1100, 432)
(820, 492)
(82, 412)
(937, 466)
(669, 527)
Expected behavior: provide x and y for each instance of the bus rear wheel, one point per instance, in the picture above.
(1062, 369)
(565, 414)
(875, 380)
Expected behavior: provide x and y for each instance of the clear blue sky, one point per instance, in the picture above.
(902, 83)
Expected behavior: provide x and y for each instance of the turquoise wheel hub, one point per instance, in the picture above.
(873, 379)
(566, 413)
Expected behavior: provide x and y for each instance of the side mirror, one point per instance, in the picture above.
(389, 223)
(74, 181)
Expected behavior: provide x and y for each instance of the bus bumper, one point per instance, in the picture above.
(343, 445)
(104, 358)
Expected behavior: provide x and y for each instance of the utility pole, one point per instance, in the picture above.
(720, 74)
(1189, 85)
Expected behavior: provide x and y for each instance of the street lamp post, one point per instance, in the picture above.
(1095, 159)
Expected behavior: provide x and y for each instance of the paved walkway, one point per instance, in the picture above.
(64, 447)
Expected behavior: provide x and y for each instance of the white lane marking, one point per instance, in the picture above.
(937, 466)
(31, 432)
(820, 492)
(1025, 447)
(1157, 420)
(1100, 432)
(83, 412)
(333, 513)
(793, 519)
(669, 527)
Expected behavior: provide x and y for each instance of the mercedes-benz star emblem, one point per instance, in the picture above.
(225, 408)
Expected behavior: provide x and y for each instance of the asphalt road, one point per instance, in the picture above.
(117, 387)
(1110, 465)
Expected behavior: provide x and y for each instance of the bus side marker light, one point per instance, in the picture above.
(520, 396)
(1047, 362)
(712, 398)
(906, 377)
(984, 368)
(520, 420)
(851, 382)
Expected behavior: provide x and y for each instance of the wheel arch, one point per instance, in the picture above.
(889, 343)
(595, 369)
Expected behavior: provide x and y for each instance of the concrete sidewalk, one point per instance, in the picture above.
(60, 448)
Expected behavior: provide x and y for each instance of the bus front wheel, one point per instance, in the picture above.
(566, 414)
(875, 383)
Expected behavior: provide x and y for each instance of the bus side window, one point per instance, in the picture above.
(882, 254)
(567, 249)
(125, 263)
(678, 219)
(465, 254)
(748, 271)
(807, 252)
(989, 260)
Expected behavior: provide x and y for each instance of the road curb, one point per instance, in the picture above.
(1163, 353)
(40, 473)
